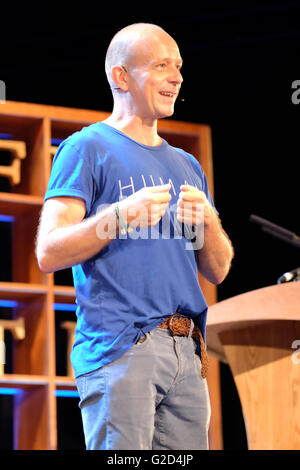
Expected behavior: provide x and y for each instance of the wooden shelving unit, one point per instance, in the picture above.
(35, 293)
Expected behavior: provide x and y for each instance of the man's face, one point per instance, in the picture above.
(154, 77)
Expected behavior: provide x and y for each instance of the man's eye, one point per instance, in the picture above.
(161, 66)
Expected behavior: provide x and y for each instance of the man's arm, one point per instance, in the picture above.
(215, 257)
(65, 238)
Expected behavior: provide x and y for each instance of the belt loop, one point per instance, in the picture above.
(143, 332)
(191, 329)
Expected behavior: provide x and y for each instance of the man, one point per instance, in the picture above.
(137, 366)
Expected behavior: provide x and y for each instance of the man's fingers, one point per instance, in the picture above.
(188, 187)
(161, 198)
(159, 188)
(194, 195)
(159, 194)
(158, 207)
(190, 215)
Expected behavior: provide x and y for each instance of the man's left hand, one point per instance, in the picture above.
(193, 208)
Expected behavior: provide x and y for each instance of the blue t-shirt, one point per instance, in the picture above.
(138, 280)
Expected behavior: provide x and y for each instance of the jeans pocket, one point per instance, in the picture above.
(89, 384)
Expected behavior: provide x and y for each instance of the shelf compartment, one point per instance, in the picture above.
(69, 422)
(19, 225)
(65, 323)
(17, 149)
(34, 410)
(35, 168)
(35, 418)
(25, 267)
(31, 303)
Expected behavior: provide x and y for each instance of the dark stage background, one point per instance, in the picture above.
(239, 65)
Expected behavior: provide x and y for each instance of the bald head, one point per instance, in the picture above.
(130, 44)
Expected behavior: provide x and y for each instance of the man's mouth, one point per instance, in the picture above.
(169, 94)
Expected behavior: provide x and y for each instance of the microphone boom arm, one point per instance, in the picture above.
(276, 231)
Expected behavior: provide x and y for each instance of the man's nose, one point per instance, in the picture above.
(176, 77)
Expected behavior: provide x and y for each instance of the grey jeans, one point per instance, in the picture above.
(152, 397)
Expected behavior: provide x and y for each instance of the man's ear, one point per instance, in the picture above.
(119, 76)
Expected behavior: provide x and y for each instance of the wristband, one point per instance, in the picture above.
(124, 227)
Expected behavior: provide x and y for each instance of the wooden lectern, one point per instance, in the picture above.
(258, 335)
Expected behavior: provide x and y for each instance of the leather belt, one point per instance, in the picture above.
(180, 326)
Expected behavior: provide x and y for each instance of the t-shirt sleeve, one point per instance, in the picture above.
(207, 192)
(199, 170)
(71, 175)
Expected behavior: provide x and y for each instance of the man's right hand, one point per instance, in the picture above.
(146, 207)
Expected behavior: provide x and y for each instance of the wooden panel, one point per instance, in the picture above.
(65, 382)
(31, 356)
(215, 435)
(63, 129)
(213, 380)
(64, 294)
(206, 161)
(20, 291)
(268, 383)
(16, 204)
(15, 125)
(269, 303)
(23, 381)
(33, 419)
(35, 167)
(17, 110)
(24, 262)
(36, 428)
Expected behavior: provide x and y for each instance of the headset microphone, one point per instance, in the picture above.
(293, 275)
